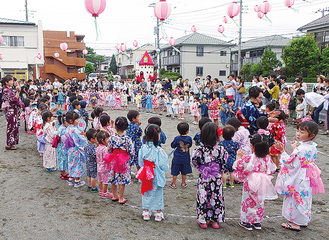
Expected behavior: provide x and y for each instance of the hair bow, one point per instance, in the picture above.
(219, 132)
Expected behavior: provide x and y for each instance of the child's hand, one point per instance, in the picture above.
(239, 153)
(279, 146)
(139, 123)
(294, 144)
(112, 122)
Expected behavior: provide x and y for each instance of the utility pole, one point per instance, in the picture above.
(26, 12)
(323, 10)
(240, 36)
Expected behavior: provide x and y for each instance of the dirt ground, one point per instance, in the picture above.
(39, 205)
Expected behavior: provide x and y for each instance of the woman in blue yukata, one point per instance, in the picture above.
(154, 162)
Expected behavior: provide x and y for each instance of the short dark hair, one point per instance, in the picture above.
(230, 100)
(71, 116)
(273, 105)
(300, 92)
(101, 136)
(273, 76)
(121, 123)
(234, 122)
(104, 119)
(183, 128)
(6, 79)
(216, 93)
(283, 77)
(132, 114)
(152, 134)
(209, 135)
(282, 115)
(98, 111)
(26, 102)
(72, 98)
(203, 121)
(75, 103)
(154, 120)
(261, 145)
(300, 99)
(228, 132)
(254, 91)
(91, 133)
(310, 126)
(226, 98)
(262, 122)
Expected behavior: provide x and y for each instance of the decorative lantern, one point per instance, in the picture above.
(1, 56)
(260, 15)
(1, 39)
(221, 29)
(95, 7)
(193, 28)
(39, 56)
(135, 43)
(265, 7)
(257, 8)
(224, 19)
(63, 46)
(123, 47)
(56, 55)
(172, 41)
(233, 10)
(288, 3)
(85, 51)
(162, 10)
(117, 46)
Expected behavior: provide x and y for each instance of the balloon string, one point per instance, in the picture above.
(295, 10)
(235, 22)
(163, 31)
(268, 18)
(96, 28)
(223, 34)
(176, 49)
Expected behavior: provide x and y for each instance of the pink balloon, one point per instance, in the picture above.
(221, 29)
(172, 41)
(135, 43)
(63, 46)
(224, 19)
(233, 10)
(85, 51)
(162, 10)
(193, 28)
(56, 55)
(123, 47)
(1, 56)
(1, 39)
(289, 3)
(257, 8)
(95, 7)
(265, 7)
(39, 56)
(117, 46)
(260, 15)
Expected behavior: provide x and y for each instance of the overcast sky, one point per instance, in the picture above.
(129, 20)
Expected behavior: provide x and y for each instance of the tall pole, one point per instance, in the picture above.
(158, 46)
(240, 36)
(26, 12)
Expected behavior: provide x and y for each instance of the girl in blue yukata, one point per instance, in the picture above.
(74, 141)
(154, 163)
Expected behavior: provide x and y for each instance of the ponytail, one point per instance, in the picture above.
(152, 134)
(261, 145)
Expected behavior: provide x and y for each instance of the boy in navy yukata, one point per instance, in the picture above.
(135, 132)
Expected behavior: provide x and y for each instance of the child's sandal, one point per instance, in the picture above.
(173, 186)
(158, 217)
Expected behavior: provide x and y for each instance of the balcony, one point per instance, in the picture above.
(251, 60)
(171, 60)
(234, 67)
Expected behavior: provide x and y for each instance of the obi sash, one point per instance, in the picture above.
(146, 175)
(117, 160)
(260, 183)
(67, 141)
(284, 101)
(313, 173)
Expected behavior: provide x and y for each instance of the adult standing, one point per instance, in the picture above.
(106, 84)
(197, 86)
(57, 85)
(12, 105)
(318, 87)
(167, 85)
(326, 104)
(239, 92)
(157, 86)
(229, 86)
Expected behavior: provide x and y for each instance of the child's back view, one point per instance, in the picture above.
(181, 160)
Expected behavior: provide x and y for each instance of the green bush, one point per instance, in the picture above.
(171, 75)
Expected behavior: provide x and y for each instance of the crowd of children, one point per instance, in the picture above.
(109, 149)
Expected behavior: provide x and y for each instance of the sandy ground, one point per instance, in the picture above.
(39, 205)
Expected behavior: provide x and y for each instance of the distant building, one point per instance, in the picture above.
(252, 50)
(145, 65)
(197, 55)
(22, 41)
(320, 29)
(70, 62)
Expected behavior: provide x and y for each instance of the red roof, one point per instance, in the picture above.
(146, 60)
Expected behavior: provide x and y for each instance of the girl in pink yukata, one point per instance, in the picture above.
(26, 114)
(155, 103)
(74, 141)
(98, 112)
(181, 107)
(195, 111)
(214, 107)
(101, 100)
(255, 170)
(49, 154)
(284, 101)
(117, 102)
(299, 177)
(102, 166)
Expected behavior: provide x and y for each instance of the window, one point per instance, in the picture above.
(13, 41)
(199, 51)
(222, 72)
(170, 52)
(199, 71)
(222, 53)
(256, 53)
(177, 69)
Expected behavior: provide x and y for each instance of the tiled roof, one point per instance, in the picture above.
(198, 39)
(268, 41)
(13, 21)
(318, 23)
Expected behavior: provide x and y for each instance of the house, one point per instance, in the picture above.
(320, 29)
(145, 65)
(70, 63)
(252, 50)
(197, 54)
(22, 42)
(128, 62)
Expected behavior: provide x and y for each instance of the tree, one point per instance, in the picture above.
(94, 58)
(324, 61)
(89, 68)
(302, 55)
(269, 62)
(246, 71)
(113, 66)
(256, 69)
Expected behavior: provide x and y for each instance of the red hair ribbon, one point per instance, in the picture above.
(219, 132)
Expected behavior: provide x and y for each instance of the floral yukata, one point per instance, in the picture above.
(210, 162)
(135, 132)
(75, 152)
(298, 179)
(242, 137)
(214, 113)
(61, 152)
(155, 156)
(49, 154)
(251, 113)
(284, 103)
(257, 187)
(278, 131)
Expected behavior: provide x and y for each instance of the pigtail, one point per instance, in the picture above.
(151, 134)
